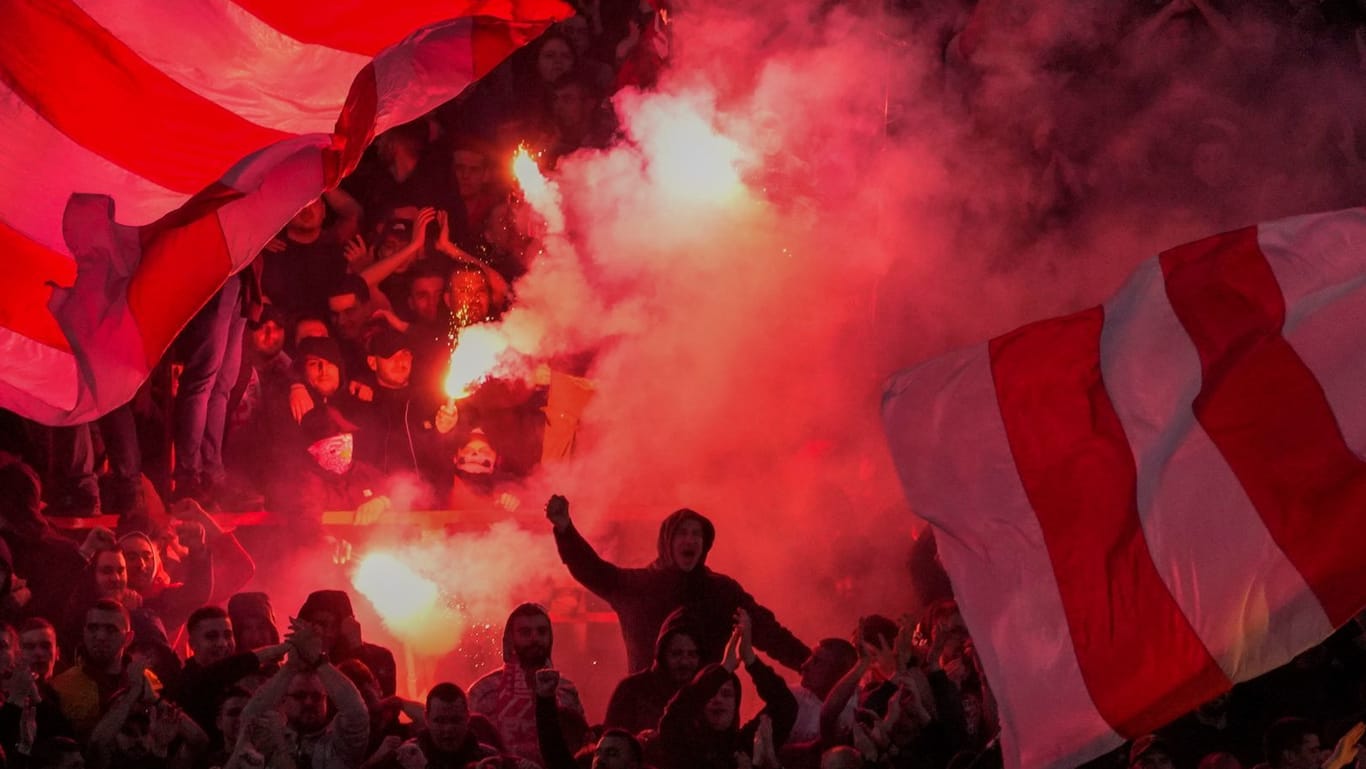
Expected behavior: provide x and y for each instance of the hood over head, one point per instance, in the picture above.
(679, 622)
(21, 496)
(525, 610)
(244, 605)
(666, 534)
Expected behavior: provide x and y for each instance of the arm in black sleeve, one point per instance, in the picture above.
(620, 708)
(586, 566)
(555, 752)
(779, 704)
(771, 638)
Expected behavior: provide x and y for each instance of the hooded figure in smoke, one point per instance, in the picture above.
(507, 696)
(701, 728)
(639, 699)
(678, 577)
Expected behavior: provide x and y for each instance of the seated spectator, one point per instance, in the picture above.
(701, 728)
(644, 598)
(639, 699)
(507, 696)
(329, 613)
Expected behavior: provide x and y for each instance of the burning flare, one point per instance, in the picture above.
(540, 193)
(400, 595)
(477, 351)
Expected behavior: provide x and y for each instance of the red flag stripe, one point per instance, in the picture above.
(228, 56)
(990, 542)
(1212, 550)
(492, 41)
(1267, 413)
(1079, 474)
(25, 289)
(87, 83)
(368, 26)
(46, 383)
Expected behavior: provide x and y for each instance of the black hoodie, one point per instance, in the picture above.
(639, 699)
(644, 598)
(686, 741)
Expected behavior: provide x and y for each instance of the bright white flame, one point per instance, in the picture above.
(399, 594)
(539, 192)
(477, 351)
(687, 155)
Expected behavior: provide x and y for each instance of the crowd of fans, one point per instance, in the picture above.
(314, 382)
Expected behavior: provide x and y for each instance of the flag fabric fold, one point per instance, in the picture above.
(1143, 503)
(151, 150)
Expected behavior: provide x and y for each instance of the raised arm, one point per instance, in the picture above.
(586, 566)
(779, 704)
(351, 725)
(771, 638)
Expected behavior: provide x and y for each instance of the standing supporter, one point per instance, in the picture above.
(51, 565)
(830, 661)
(253, 621)
(325, 715)
(701, 725)
(171, 601)
(100, 669)
(644, 597)
(639, 699)
(140, 730)
(474, 188)
(446, 742)
(352, 307)
(28, 694)
(387, 730)
(298, 268)
(507, 696)
(401, 435)
(616, 749)
(215, 664)
(329, 613)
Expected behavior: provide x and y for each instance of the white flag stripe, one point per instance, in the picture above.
(1326, 321)
(276, 185)
(46, 379)
(1209, 545)
(228, 56)
(52, 167)
(992, 546)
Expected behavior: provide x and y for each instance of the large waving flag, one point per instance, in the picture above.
(200, 127)
(1144, 502)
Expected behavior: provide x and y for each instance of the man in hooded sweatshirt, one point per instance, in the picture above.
(678, 577)
(330, 613)
(639, 699)
(507, 696)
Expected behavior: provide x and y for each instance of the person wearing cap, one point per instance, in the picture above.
(399, 421)
(329, 612)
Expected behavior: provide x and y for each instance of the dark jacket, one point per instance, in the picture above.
(639, 699)
(644, 598)
(686, 741)
(52, 564)
(470, 751)
(202, 686)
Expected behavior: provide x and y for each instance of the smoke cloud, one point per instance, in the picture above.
(817, 196)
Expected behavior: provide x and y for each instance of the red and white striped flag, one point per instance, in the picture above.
(201, 127)
(1144, 502)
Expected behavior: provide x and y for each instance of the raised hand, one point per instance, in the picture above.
(1345, 752)
(745, 628)
(730, 660)
(547, 682)
(557, 512)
